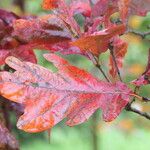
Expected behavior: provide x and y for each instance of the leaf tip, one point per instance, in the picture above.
(55, 59)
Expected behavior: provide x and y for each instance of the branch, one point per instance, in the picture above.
(101, 70)
(143, 114)
(130, 108)
(114, 60)
(97, 65)
(142, 34)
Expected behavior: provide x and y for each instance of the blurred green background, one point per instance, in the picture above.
(128, 131)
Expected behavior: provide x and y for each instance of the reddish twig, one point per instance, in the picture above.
(145, 99)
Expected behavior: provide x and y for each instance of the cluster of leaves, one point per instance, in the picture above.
(71, 93)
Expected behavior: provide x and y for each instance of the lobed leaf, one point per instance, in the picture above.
(70, 93)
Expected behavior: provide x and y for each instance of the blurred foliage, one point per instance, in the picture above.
(129, 131)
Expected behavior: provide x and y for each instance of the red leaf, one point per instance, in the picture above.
(9, 46)
(65, 48)
(20, 38)
(125, 7)
(98, 42)
(23, 52)
(7, 140)
(48, 29)
(120, 49)
(50, 97)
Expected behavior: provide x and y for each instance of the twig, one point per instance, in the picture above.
(97, 64)
(145, 99)
(130, 108)
(101, 70)
(144, 114)
(135, 91)
(114, 60)
(142, 34)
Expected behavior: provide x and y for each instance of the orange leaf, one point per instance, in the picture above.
(98, 42)
(50, 4)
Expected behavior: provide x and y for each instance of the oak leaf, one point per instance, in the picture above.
(50, 97)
